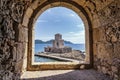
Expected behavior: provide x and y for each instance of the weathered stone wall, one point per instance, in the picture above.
(106, 40)
(12, 38)
(105, 18)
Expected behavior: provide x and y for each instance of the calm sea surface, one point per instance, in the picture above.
(40, 48)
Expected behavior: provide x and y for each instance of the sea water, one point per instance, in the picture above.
(40, 48)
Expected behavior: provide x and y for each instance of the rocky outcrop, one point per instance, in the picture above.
(58, 50)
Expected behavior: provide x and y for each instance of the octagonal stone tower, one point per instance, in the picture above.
(58, 46)
(58, 42)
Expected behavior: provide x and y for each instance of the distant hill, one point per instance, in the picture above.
(50, 42)
(68, 42)
(38, 41)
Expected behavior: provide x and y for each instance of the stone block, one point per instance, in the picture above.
(102, 34)
(95, 49)
(29, 12)
(91, 6)
(66, 5)
(26, 49)
(22, 34)
(99, 35)
(14, 54)
(105, 50)
(36, 3)
(18, 66)
(56, 4)
(25, 21)
(76, 10)
(20, 51)
(82, 2)
(96, 35)
(45, 8)
(96, 23)
(24, 67)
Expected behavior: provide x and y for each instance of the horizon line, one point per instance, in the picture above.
(64, 40)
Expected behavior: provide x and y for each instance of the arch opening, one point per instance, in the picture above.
(69, 46)
(88, 38)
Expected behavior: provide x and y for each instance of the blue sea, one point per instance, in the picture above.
(40, 47)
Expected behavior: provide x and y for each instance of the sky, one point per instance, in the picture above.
(60, 20)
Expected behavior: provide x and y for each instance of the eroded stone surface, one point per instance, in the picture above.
(107, 56)
(104, 14)
(11, 14)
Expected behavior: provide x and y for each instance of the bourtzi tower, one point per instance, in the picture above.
(58, 42)
(58, 46)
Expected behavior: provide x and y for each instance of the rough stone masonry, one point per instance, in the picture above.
(16, 14)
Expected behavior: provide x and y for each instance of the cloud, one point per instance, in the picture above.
(80, 25)
(72, 15)
(75, 37)
(41, 21)
(49, 10)
(76, 33)
(71, 32)
(44, 38)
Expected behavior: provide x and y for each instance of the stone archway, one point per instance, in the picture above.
(31, 16)
(102, 17)
(15, 18)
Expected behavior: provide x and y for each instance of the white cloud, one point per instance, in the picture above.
(41, 21)
(71, 32)
(72, 15)
(49, 10)
(44, 38)
(76, 33)
(80, 25)
(75, 37)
